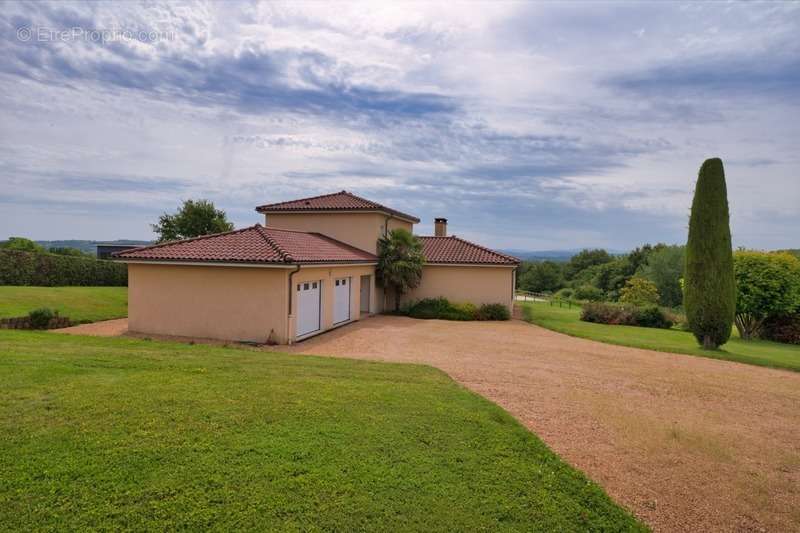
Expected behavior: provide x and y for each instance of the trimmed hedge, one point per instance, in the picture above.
(51, 270)
(443, 309)
(784, 329)
(649, 316)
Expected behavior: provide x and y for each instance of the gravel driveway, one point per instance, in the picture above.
(686, 443)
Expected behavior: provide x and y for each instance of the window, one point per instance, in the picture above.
(344, 282)
(305, 286)
(314, 285)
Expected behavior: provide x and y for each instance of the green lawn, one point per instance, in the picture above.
(144, 435)
(77, 303)
(567, 320)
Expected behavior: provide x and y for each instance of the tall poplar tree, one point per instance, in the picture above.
(710, 290)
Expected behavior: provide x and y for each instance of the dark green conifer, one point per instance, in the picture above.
(709, 287)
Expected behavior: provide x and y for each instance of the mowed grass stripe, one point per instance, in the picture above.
(132, 434)
(77, 303)
(754, 352)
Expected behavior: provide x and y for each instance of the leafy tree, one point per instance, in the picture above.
(400, 262)
(193, 219)
(585, 259)
(664, 267)
(545, 276)
(22, 244)
(588, 293)
(710, 291)
(638, 257)
(639, 291)
(611, 277)
(587, 276)
(767, 284)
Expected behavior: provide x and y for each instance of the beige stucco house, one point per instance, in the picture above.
(308, 269)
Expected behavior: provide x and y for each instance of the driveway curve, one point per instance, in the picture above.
(686, 443)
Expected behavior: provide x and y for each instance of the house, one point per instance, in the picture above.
(308, 269)
(106, 249)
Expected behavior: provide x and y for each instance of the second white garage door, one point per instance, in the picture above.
(341, 300)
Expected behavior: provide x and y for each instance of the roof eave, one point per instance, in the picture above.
(468, 264)
(229, 262)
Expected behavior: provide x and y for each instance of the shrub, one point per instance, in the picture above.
(639, 291)
(606, 313)
(651, 316)
(49, 270)
(466, 309)
(443, 309)
(41, 317)
(567, 293)
(710, 290)
(782, 328)
(588, 293)
(493, 312)
(767, 284)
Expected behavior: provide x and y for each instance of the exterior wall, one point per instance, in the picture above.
(230, 303)
(361, 230)
(474, 284)
(327, 275)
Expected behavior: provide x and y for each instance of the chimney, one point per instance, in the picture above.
(440, 227)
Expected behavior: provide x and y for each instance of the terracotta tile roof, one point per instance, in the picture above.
(339, 201)
(255, 244)
(452, 250)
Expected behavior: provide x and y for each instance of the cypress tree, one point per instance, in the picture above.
(709, 287)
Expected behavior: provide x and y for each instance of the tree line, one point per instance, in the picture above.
(595, 274)
(715, 287)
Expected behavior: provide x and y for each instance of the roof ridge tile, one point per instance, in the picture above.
(286, 256)
(305, 204)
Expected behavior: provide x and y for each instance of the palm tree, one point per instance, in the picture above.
(400, 262)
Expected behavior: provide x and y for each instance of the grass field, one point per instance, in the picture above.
(77, 303)
(567, 320)
(114, 433)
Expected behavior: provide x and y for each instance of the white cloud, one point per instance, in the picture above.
(567, 117)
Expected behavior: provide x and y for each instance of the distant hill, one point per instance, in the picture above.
(85, 246)
(559, 256)
(542, 255)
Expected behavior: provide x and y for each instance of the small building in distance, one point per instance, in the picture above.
(105, 249)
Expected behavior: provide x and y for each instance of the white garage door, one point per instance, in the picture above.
(341, 300)
(308, 316)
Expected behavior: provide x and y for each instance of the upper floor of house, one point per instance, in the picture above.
(343, 216)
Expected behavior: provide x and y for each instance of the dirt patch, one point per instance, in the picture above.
(105, 328)
(684, 442)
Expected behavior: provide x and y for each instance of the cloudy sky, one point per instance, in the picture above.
(530, 126)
